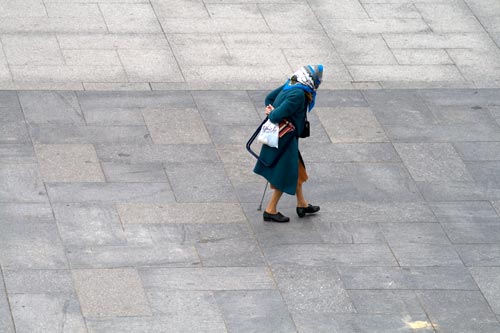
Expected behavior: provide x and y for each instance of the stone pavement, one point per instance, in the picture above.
(136, 212)
(247, 44)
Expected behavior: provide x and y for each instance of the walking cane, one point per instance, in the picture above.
(262, 199)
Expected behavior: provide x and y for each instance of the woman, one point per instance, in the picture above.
(291, 101)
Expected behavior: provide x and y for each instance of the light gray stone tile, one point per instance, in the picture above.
(227, 73)
(254, 310)
(68, 73)
(453, 17)
(111, 86)
(259, 57)
(163, 255)
(488, 280)
(277, 17)
(349, 152)
(350, 125)
(83, 225)
(484, 171)
(150, 65)
(6, 323)
(350, 233)
(312, 289)
(91, 58)
(86, 41)
(47, 107)
(343, 9)
(375, 26)
(188, 47)
(420, 233)
(330, 58)
(39, 212)
(69, 163)
(21, 9)
(134, 99)
(474, 255)
(21, 183)
(461, 115)
(202, 182)
(280, 40)
(12, 25)
(39, 281)
(17, 153)
(405, 73)
(107, 193)
(461, 97)
(214, 25)
(169, 126)
(386, 301)
(438, 41)
(180, 213)
(110, 292)
(211, 278)
(114, 117)
(222, 134)
(355, 49)
(230, 253)
(132, 173)
(233, 10)
(14, 132)
(412, 254)
(331, 254)
(422, 56)
(465, 212)
(60, 9)
(425, 278)
(392, 10)
(473, 233)
(70, 134)
(43, 313)
(31, 50)
(122, 18)
(451, 191)
(459, 311)
(432, 162)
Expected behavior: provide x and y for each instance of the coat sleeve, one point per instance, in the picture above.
(293, 103)
(272, 95)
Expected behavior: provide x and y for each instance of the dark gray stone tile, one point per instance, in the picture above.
(442, 132)
(134, 99)
(465, 212)
(350, 233)
(472, 97)
(342, 98)
(331, 254)
(51, 107)
(191, 304)
(386, 302)
(136, 153)
(83, 225)
(231, 134)
(407, 278)
(165, 255)
(485, 172)
(459, 311)
(89, 134)
(426, 255)
(131, 173)
(11, 114)
(452, 191)
(473, 233)
(8, 99)
(461, 114)
(312, 289)
(6, 324)
(312, 152)
(421, 233)
(21, 183)
(478, 151)
(354, 323)
(209, 278)
(202, 182)
(20, 212)
(114, 117)
(14, 132)
(17, 153)
(39, 281)
(47, 313)
(258, 97)
(254, 311)
(488, 279)
(230, 252)
(479, 254)
(107, 193)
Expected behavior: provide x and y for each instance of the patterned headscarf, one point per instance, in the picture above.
(307, 78)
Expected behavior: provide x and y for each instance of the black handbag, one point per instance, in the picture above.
(306, 132)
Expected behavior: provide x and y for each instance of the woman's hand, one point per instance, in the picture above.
(269, 108)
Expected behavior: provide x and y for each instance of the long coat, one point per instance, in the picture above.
(292, 105)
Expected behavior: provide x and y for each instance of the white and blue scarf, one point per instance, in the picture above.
(307, 78)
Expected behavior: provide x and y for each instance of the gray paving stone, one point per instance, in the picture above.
(355, 49)
(340, 98)
(484, 171)
(479, 254)
(459, 311)
(111, 292)
(425, 278)
(175, 213)
(389, 10)
(232, 134)
(386, 301)
(32, 50)
(106, 193)
(72, 9)
(30, 212)
(451, 191)
(41, 107)
(176, 8)
(9, 99)
(405, 73)
(350, 125)
(340, 9)
(230, 252)
(210, 278)
(169, 126)
(39, 281)
(91, 57)
(349, 152)
(164, 255)
(21, 183)
(65, 73)
(426, 255)
(420, 233)
(47, 313)
(11, 114)
(233, 10)
(488, 280)
(465, 212)
(53, 134)
(331, 254)
(106, 41)
(14, 132)
(83, 225)
(475, 233)
(150, 65)
(6, 324)
(17, 153)
(461, 115)
(461, 97)
(277, 16)
(134, 153)
(422, 56)
(134, 99)
(137, 172)
(376, 25)
(188, 47)
(69, 163)
(431, 162)
(200, 183)
(130, 18)
(438, 41)
(120, 86)
(351, 323)
(312, 289)
(214, 25)
(350, 233)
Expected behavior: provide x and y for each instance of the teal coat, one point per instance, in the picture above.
(292, 105)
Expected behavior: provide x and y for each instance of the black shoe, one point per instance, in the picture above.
(302, 211)
(278, 217)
